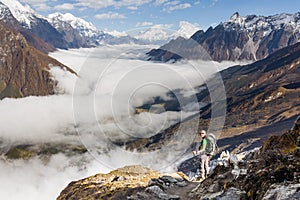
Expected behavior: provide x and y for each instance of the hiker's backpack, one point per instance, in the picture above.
(211, 146)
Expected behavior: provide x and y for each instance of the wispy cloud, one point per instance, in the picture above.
(40, 5)
(170, 6)
(160, 2)
(108, 3)
(139, 24)
(172, 3)
(132, 7)
(180, 6)
(197, 2)
(110, 15)
(213, 3)
(65, 6)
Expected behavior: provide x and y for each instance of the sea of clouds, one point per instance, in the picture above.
(96, 108)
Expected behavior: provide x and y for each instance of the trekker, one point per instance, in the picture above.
(204, 158)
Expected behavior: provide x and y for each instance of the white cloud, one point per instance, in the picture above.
(39, 5)
(213, 3)
(141, 24)
(172, 3)
(107, 3)
(175, 5)
(65, 6)
(132, 7)
(179, 7)
(197, 2)
(110, 15)
(160, 2)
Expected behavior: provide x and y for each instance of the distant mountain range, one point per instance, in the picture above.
(67, 31)
(240, 38)
(250, 38)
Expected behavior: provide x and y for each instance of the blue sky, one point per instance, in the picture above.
(125, 15)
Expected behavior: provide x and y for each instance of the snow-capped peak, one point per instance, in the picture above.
(254, 23)
(186, 29)
(236, 18)
(156, 33)
(23, 13)
(84, 28)
(159, 33)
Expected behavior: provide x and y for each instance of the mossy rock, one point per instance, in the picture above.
(2, 85)
(20, 153)
(11, 91)
(51, 149)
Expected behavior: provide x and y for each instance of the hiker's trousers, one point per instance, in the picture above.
(204, 165)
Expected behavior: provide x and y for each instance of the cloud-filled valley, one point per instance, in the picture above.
(96, 109)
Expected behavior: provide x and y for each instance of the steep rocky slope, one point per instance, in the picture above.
(24, 70)
(259, 96)
(273, 172)
(240, 38)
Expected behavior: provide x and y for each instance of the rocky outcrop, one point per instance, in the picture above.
(115, 185)
(131, 182)
(240, 38)
(273, 170)
(24, 70)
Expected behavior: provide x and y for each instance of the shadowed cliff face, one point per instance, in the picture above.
(24, 70)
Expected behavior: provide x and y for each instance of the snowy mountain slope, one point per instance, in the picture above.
(88, 31)
(6, 15)
(186, 29)
(240, 38)
(253, 23)
(84, 28)
(23, 13)
(154, 34)
(36, 24)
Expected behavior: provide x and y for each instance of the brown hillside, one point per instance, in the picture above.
(24, 70)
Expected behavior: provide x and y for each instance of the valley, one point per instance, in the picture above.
(78, 98)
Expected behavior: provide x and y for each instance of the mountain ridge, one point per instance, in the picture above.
(240, 38)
